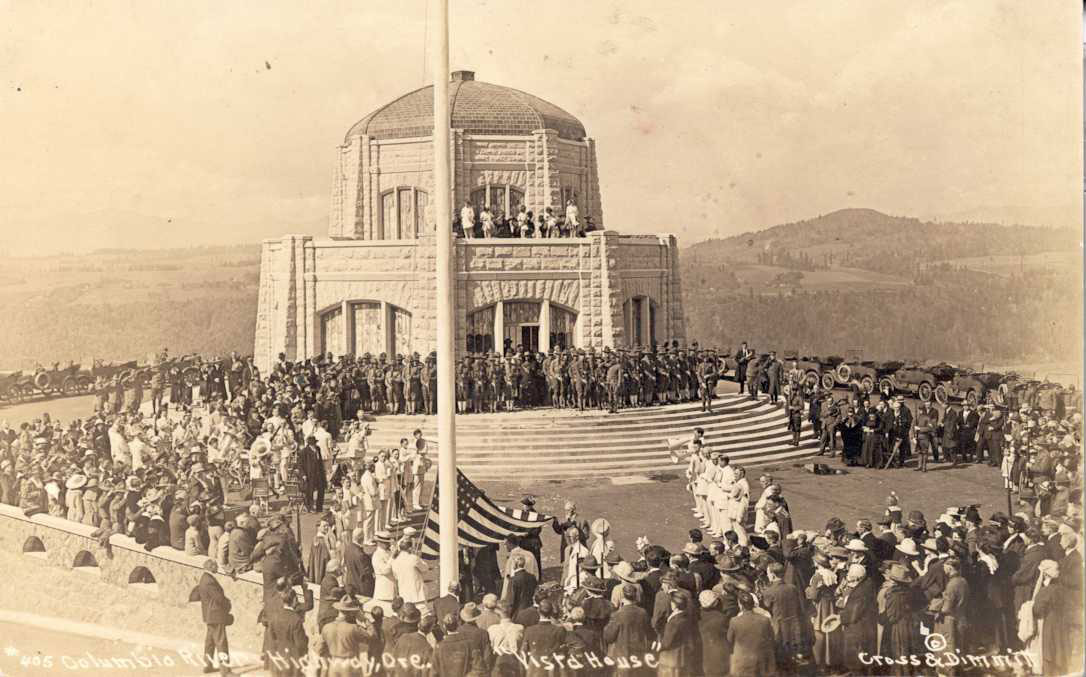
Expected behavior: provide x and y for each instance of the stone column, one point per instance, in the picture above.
(348, 344)
(499, 327)
(387, 318)
(545, 326)
(646, 335)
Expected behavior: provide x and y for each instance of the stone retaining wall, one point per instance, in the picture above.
(56, 568)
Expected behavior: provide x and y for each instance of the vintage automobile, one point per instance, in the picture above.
(864, 376)
(973, 387)
(920, 379)
(9, 390)
(814, 369)
(50, 381)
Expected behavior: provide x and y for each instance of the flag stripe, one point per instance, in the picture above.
(480, 521)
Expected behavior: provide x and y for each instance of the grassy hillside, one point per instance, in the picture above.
(121, 305)
(890, 287)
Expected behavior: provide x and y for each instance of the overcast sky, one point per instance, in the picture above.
(711, 118)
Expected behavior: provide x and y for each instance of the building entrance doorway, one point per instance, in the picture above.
(529, 337)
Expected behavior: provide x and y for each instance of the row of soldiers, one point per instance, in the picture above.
(585, 379)
(563, 378)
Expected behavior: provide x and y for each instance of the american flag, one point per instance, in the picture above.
(480, 521)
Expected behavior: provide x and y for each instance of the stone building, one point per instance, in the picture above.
(370, 286)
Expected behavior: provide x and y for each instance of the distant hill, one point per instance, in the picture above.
(870, 240)
(890, 286)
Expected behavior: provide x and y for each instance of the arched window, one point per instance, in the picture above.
(356, 327)
(403, 213)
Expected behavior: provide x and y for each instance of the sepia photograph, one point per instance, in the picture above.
(496, 338)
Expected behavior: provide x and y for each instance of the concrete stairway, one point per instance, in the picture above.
(564, 444)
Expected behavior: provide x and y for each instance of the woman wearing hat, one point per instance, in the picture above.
(822, 593)
(900, 617)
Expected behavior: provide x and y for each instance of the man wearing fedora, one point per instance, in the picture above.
(412, 648)
(344, 639)
(215, 611)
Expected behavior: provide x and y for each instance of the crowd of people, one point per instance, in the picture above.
(490, 222)
(748, 593)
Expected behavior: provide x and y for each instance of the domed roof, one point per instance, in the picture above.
(477, 108)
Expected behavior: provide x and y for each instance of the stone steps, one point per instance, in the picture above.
(531, 445)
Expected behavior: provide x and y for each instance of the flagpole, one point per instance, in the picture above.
(446, 327)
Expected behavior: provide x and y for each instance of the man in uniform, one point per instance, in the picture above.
(476, 384)
(927, 419)
(577, 379)
(754, 374)
(706, 373)
(773, 372)
(394, 382)
(648, 380)
(428, 384)
(614, 383)
(375, 380)
(413, 381)
(829, 415)
(900, 428)
(742, 358)
(795, 415)
(497, 381)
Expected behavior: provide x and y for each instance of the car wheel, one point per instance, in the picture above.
(827, 381)
(924, 392)
(941, 395)
(886, 387)
(867, 384)
(971, 398)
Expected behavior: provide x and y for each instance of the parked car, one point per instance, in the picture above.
(815, 369)
(864, 376)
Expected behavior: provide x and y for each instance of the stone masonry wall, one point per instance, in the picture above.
(48, 583)
(301, 277)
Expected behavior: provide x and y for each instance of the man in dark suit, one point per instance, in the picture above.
(215, 610)
(357, 567)
(713, 628)
(629, 632)
(313, 477)
(967, 432)
(750, 641)
(545, 639)
(469, 614)
(449, 603)
(522, 586)
(742, 357)
(411, 646)
(773, 373)
(1025, 577)
(900, 424)
(457, 654)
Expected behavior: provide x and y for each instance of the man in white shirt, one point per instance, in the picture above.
(359, 445)
(384, 587)
(369, 504)
(505, 635)
(137, 449)
(309, 424)
(118, 444)
(409, 571)
(467, 220)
